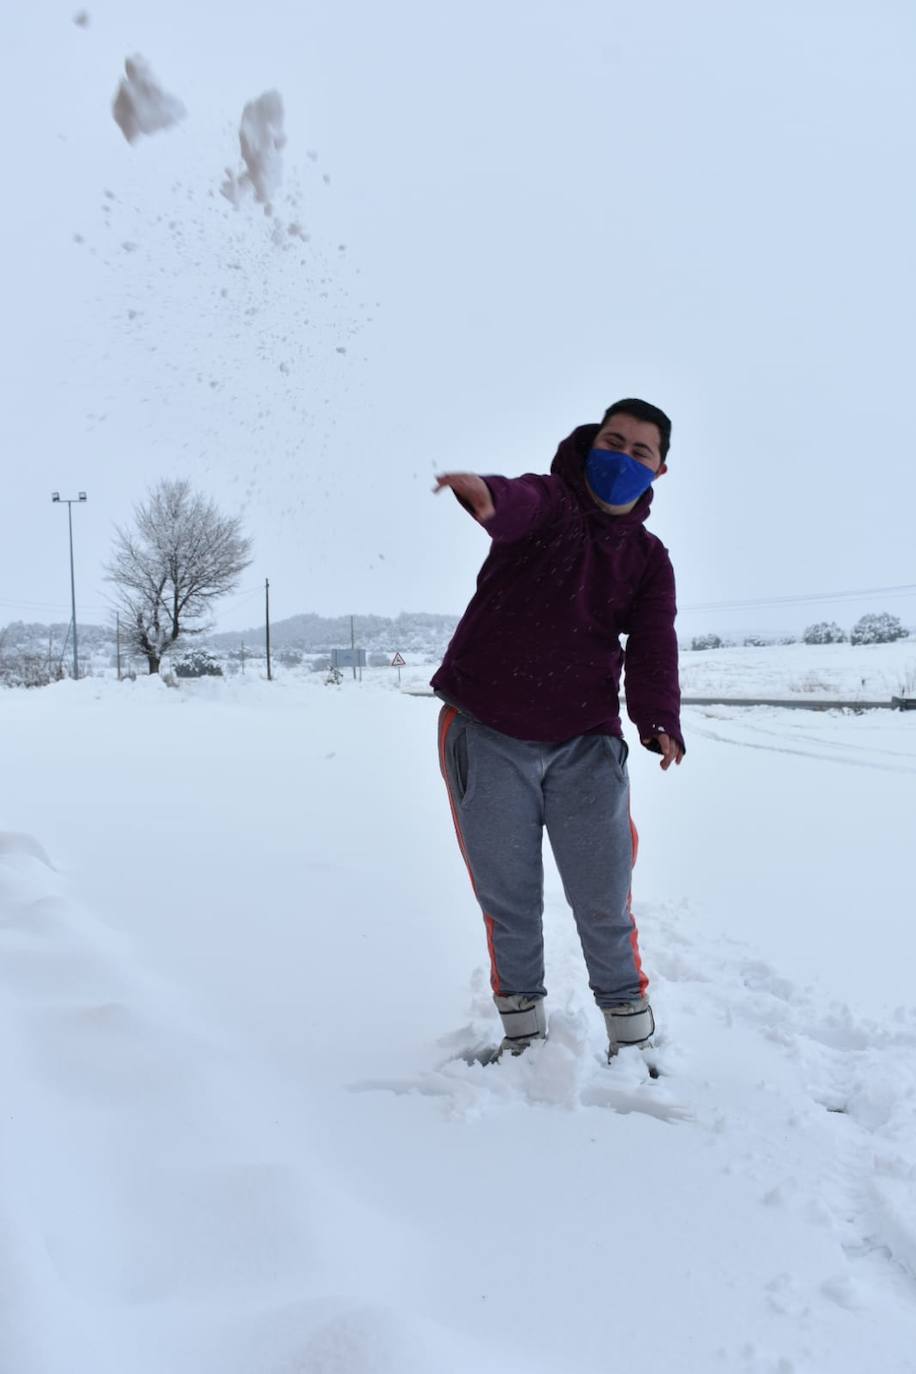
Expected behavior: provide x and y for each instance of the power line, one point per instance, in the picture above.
(245, 594)
(45, 606)
(109, 607)
(903, 589)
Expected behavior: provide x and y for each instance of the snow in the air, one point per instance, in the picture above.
(241, 961)
(261, 139)
(140, 105)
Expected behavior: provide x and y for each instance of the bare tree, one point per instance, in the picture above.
(179, 556)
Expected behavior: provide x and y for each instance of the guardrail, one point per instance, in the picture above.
(790, 703)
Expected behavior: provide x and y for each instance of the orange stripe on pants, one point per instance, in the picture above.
(634, 934)
(446, 720)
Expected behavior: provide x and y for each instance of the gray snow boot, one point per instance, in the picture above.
(524, 1020)
(629, 1023)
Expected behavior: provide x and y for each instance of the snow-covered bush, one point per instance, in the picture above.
(289, 658)
(334, 677)
(27, 670)
(197, 663)
(706, 642)
(824, 632)
(877, 629)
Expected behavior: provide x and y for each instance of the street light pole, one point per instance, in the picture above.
(70, 502)
(267, 624)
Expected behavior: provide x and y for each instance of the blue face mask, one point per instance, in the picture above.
(616, 478)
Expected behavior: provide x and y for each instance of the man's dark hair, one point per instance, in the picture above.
(641, 410)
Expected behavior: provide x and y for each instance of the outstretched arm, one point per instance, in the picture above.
(471, 490)
(509, 508)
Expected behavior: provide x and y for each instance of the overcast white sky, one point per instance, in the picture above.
(532, 210)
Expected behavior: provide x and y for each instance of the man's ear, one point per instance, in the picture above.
(661, 471)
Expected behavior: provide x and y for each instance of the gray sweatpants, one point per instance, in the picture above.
(503, 793)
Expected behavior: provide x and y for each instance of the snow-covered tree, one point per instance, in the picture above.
(706, 642)
(179, 556)
(877, 629)
(198, 662)
(824, 632)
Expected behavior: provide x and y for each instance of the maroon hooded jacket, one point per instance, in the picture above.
(537, 653)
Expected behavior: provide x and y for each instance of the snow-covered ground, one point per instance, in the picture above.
(239, 956)
(849, 672)
(832, 672)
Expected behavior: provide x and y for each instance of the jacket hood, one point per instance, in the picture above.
(569, 464)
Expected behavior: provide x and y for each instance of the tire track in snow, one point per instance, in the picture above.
(788, 730)
(819, 754)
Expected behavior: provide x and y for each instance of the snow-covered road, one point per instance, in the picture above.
(236, 1135)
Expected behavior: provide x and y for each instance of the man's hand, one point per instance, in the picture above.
(472, 492)
(669, 749)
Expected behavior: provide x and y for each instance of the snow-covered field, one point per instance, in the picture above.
(831, 672)
(848, 672)
(239, 956)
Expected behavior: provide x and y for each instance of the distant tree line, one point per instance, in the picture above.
(882, 628)
(871, 629)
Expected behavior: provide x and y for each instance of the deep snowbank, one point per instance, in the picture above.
(237, 1135)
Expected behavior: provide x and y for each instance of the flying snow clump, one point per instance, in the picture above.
(261, 139)
(140, 105)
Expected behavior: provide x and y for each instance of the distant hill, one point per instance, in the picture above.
(31, 637)
(417, 633)
(311, 633)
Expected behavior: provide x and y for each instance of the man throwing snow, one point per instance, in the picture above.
(530, 734)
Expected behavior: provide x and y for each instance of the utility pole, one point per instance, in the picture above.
(118, 640)
(70, 502)
(242, 655)
(353, 648)
(267, 624)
